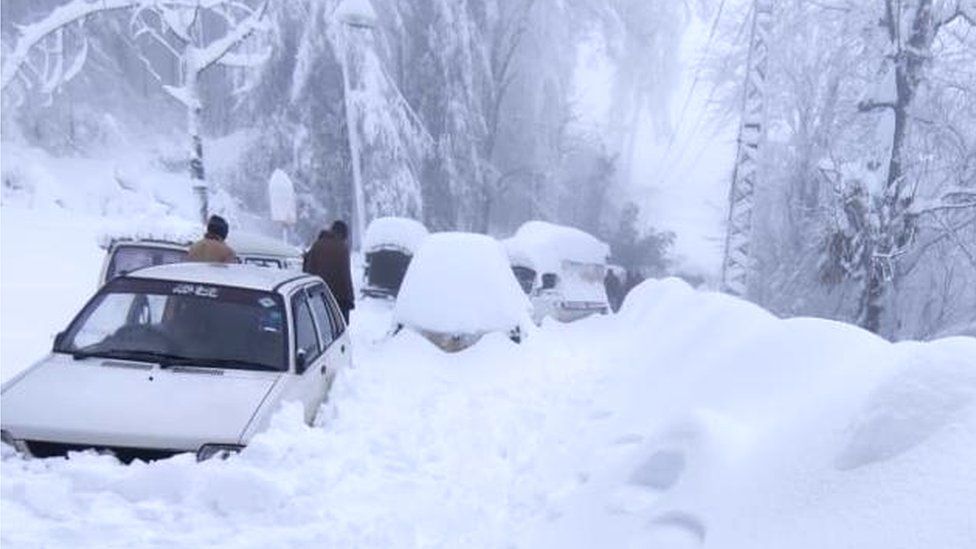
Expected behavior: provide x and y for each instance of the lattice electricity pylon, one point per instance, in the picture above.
(752, 133)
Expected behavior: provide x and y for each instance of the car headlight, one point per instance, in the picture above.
(222, 451)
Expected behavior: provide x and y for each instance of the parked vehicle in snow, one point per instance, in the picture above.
(388, 247)
(187, 357)
(459, 287)
(126, 253)
(561, 269)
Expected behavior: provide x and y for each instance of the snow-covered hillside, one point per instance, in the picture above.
(688, 420)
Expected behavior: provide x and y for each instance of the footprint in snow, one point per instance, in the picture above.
(677, 530)
(661, 470)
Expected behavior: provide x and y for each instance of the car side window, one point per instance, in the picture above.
(305, 337)
(338, 322)
(324, 322)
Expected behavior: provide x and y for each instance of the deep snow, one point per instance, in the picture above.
(688, 420)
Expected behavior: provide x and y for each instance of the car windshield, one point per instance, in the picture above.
(127, 258)
(182, 324)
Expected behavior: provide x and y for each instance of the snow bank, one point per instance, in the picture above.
(126, 186)
(544, 246)
(394, 232)
(725, 427)
(461, 283)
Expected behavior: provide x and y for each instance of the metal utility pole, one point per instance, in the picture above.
(752, 133)
(358, 20)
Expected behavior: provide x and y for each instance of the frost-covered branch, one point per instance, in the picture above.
(956, 198)
(60, 18)
(212, 53)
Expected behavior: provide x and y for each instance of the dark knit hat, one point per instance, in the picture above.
(340, 229)
(217, 226)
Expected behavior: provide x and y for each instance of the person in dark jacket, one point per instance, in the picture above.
(328, 258)
(614, 288)
(212, 248)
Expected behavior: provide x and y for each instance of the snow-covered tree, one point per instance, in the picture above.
(195, 35)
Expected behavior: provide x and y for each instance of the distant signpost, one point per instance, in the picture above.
(281, 195)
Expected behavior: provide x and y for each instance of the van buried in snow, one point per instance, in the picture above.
(388, 246)
(189, 357)
(561, 269)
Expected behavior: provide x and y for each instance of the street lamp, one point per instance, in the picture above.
(356, 16)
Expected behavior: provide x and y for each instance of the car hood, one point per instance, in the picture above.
(104, 402)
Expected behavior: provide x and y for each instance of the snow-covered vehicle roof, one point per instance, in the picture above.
(255, 244)
(398, 233)
(461, 283)
(545, 246)
(220, 274)
(171, 230)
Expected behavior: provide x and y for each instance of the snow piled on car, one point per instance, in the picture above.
(544, 246)
(461, 283)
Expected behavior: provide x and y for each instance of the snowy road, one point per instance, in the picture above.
(689, 420)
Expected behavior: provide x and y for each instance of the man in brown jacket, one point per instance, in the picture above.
(328, 258)
(212, 248)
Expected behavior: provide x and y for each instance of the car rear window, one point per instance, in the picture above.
(128, 258)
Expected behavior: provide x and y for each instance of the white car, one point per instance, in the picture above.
(125, 253)
(561, 269)
(187, 357)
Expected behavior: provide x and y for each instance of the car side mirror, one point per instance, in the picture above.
(58, 341)
(300, 361)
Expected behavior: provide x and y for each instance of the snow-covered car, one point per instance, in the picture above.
(561, 269)
(187, 357)
(389, 246)
(458, 288)
(126, 253)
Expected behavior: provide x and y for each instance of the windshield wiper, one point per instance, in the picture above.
(141, 356)
(167, 360)
(231, 363)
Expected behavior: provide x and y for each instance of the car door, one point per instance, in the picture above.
(330, 333)
(341, 335)
(310, 369)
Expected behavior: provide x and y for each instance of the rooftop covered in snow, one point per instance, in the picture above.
(544, 246)
(399, 233)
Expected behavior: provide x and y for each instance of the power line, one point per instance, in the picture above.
(676, 161)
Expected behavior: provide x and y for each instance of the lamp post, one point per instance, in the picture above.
(355, 16)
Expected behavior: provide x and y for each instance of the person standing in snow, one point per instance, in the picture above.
(328, 258)
(212, 248)
(614, 289)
